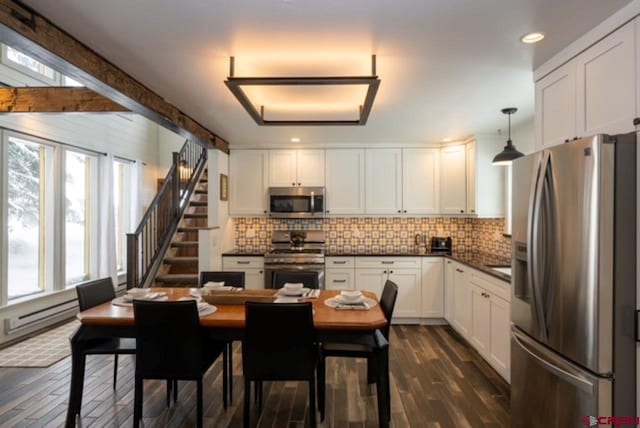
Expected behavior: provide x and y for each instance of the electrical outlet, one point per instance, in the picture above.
(357, 233)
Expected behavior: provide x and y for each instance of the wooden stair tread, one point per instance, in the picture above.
(191, 228)
(198, 203)
(178, 277)
(184, 244)
(181, 259)
(195, 215)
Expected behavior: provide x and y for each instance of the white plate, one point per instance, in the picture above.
(341, 300)
(286, 299)
(206, 309)
(126, 300)
(368, 303)
(291, 293)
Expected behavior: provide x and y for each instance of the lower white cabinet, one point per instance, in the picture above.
(461, 300)
(340, 273)
(406, 272)
(490, 310)
(253, 268)
(449, 278)
(432, 287)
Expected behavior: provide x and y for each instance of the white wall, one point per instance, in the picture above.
(168, 142)
(523, 136)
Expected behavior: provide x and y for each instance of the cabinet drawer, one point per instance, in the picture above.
(231, 262)
(492, 285)
(388, 262)
(340, 262)
(340, 279)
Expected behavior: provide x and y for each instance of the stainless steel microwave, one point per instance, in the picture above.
(296, 202)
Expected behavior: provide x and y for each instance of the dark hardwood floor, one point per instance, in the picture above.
(437, 380)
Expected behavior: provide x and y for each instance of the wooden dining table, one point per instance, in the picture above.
(227, 323)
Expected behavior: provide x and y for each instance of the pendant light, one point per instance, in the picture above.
(509, 153)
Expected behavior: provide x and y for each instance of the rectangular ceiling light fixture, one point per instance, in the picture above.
(297, 85)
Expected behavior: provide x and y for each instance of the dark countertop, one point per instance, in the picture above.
(239, 254)
(474, 259)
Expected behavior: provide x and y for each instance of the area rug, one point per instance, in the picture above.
(42, 350)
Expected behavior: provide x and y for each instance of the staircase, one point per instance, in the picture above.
(180, 264)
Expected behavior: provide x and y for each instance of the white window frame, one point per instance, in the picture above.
(50, 231)
(58, 79)
(91, 217)
(125, 209)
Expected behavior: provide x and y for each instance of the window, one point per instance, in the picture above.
(30, 210)
(79, 213)
(35, 68)
(122, 204)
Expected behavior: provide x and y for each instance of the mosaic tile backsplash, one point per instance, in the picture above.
(373, 235)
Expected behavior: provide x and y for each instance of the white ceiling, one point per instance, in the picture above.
(447, 67)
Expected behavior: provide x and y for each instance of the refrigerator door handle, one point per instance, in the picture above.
(576, 381)
(533, 262)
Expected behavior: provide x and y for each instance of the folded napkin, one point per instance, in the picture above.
(213, 284)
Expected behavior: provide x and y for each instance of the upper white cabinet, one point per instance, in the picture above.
(344, 170)
(248, 178)
(296, 168)
(453, 180)
(594, 92)
(485, 181)
(556, 106)
(420, 181)
(606, 85)
(383, 181)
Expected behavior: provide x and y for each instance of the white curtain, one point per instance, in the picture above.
(107, 261)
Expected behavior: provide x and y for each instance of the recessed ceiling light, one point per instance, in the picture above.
(534, 37)
(447, 140)
(295, 140)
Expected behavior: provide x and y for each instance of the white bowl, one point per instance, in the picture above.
(351, 295)
(293, 286)
(135, 293)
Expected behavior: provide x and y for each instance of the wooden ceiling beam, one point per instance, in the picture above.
(24, 29)
(55, 100)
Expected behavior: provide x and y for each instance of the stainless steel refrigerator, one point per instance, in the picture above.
(574, 283)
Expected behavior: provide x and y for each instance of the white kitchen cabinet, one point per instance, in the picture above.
(485, 181)
(340, 273)
(406, 272)
(461, 300)
(296, 168)
(480, 334)
(248, 182)
(471, 165)
(453, 180)
(490, 313)
(606, 85)
(345, 181)
(555, 100)
(383, 181)
(432, 287)
(420, 181)
(449, 284)
(253, 268)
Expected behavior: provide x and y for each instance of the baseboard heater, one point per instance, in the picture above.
(37, 319)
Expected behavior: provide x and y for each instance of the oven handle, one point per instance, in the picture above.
(313, 202)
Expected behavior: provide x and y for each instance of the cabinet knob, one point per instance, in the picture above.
(473, 211)
(405, 211)
(384, 271)
(399, 211)
(327, 211)
(265, 211)
(390, 271)
(293, 184)
(461, 211)
(298, 184)
(260, 271)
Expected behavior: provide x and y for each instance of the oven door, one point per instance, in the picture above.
(270, 269)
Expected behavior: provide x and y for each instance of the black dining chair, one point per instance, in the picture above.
(235, 279)
(279, 345)
(307, 278)
(95, 293)
(368, 350)
(171, 345)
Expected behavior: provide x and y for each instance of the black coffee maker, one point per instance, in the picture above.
(441, 245)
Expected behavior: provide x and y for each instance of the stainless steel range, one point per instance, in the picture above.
(295, 250)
